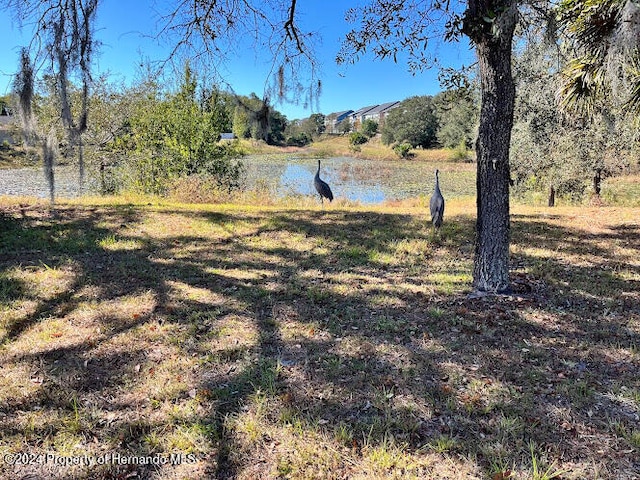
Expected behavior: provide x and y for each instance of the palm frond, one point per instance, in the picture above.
(591, 22)
(633, 79)
(584, 83)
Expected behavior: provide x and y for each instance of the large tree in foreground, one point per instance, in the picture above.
(605, 30)
(63, 33)
(399, 27)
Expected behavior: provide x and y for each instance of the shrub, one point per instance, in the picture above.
(357, 138)
(299, 140)
(369, 128)
(460, 153)
(403, 150)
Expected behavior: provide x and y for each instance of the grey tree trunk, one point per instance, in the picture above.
(493, 41)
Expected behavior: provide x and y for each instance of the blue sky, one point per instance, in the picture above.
(126, 30)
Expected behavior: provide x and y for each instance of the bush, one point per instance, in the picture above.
(357, 138)
(299, 140)
(460, 153)
(403, 150)
(369, 128)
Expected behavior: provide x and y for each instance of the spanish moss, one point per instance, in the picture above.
(23, 86)
(49, 153)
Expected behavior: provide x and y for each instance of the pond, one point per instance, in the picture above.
(364, 181)
(31, 182)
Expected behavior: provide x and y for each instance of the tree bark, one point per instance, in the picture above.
(597, 182)
(493, 41)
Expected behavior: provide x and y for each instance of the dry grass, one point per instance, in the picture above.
(271, 342)
(336, 146)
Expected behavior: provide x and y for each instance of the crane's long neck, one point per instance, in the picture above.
(437, 182)
(318, 172)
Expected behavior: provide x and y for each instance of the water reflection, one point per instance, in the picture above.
(365, 181)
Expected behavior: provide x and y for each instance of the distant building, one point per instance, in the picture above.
(378, 113)
(333, 120)
(227, 136)
(357, 117)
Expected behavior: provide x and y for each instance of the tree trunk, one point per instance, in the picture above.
(552, 196)
(597, 182)
(493, 40)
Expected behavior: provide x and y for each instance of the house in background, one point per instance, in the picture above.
(378, 112)
(357, 117)
(333, 120)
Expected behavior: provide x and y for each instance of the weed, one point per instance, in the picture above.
(344, 434)
(537, 473)
(442, 444)
(630, 434)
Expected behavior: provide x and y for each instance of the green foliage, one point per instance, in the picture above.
(299, 139)
(178, 136)
(241, 125)
(357, 138)
(414, 122)
(5, 104)
(316, 122)
(344, 126)
(277, 126)
(606, 53)
(458, 113)
(369, 128)
(254, 118)
(403, 150)
(461, 153)
(552, 150)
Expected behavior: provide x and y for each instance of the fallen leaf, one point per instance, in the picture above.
(287, 397)
(502, 475)
(56, 334)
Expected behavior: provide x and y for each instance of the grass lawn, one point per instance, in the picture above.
(169, 341)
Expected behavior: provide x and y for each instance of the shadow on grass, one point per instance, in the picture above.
(264, 334)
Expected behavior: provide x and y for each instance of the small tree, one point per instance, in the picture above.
(403, 150)
(345, 126)
(357, 138)
(178, 136)
(316, 120)
(554, 152)
(369, 128)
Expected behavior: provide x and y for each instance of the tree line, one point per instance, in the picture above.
(144, 137)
